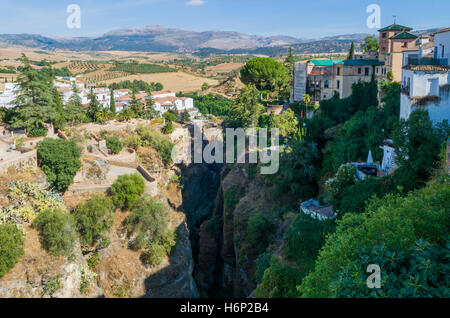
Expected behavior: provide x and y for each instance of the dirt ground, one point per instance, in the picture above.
(174, 82)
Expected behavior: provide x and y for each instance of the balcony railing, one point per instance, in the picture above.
(427, 61)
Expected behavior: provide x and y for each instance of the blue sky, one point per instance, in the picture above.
(299, 18)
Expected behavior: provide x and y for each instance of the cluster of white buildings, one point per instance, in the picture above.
(426, 77)
(163, 100)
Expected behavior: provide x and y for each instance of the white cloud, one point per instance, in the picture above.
(195, 3)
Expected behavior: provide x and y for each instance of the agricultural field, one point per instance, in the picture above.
(135, 68)
(174, 82)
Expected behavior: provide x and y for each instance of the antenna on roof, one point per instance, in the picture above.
(395, 19)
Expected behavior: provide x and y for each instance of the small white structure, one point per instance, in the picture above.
(8, 95)
(315, 210)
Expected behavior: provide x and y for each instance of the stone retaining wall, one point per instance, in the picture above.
(20, 162)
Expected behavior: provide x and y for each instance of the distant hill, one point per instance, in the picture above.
(162, 39)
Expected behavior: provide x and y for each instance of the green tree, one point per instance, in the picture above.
(150, 112)
(94, 218)
(168, 128)
(60, 119)
(127, 191)
(185, 117)
(247, 108)
(112, 103)
(94, 106)
(266, 74)
(370, 44)
(57, 231)
(148, 223)
(60, 161)
(417, 148)
(73, 110)
(394, 222)
(34, 103)
(205, 87)
(260, 232)
(351, 53)
(11, 247)
(135, 105)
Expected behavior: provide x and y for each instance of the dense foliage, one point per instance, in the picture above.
(394, 221)
(127, 191)
(60, 161)
(57, 231)
(114, 144)
(93, 219)
(11, 246)
(266, 74)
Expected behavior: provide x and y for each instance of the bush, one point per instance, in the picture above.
(162, 144)
(170, 116)
(168, 128)
(260, 231)
(114, 144)
(37, 132)
(11, 247)
(155, 254)
(149, 222)
(127, 191)
(60, 161)
(57, 231)
(133, 142)
(94, 218)
(304, 239)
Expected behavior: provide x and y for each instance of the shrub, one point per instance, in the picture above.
(57, 231)
(94, 218)
(11, 247)
(114, 144)
(53, 284)
(94, 261)
(168, 128)
(162, 144)
(260, 231)
(133, 142)
(155, 254)
(148, 222)
(37, 132)
(127, 191)
(60, 161)
(170, 116)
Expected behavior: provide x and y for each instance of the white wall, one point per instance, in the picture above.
(442, 40)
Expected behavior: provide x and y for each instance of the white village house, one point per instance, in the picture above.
(426, 78)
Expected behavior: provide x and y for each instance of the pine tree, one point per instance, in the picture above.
(94, 106)
(351, 53)
(59, 108)
(150, 111)
(185, 117)
(112, 104)
(34, 103)
(135, 105)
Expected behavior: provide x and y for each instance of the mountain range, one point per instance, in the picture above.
(161, 39)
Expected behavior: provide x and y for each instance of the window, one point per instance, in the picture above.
(443, 51)
(383, 35)
(338, 71)
(405, 44)
(326, 84)
(377, 70)
(338, 84)
(366, 71)
(359, 70)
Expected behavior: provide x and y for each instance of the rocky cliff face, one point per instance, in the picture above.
(225, 262)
